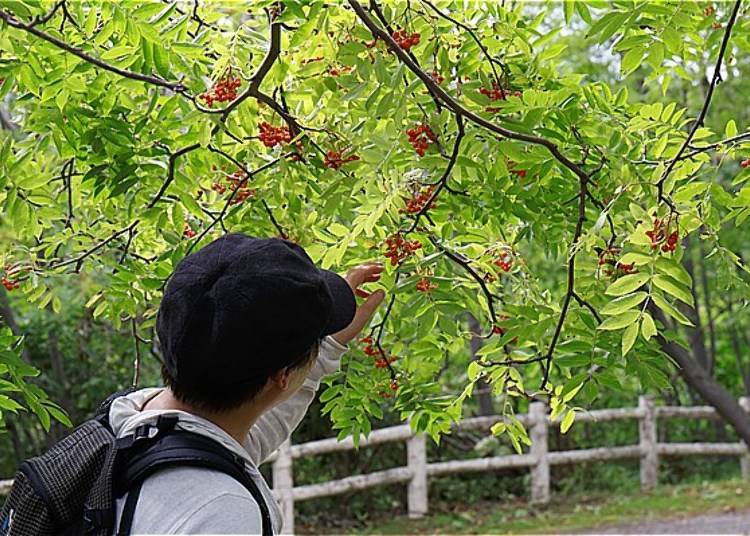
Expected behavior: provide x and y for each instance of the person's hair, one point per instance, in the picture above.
(224, 397)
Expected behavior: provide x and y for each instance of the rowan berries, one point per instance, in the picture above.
(745, 163)
(659, 234)
(505, 261)
(496, 93)
(384, 363)
(334, 159)
(497, 330)
(437, 77)
(399, 248)
(9, 284)
(420, 137)
(417, 203)
(716, 25)
(710, 10)
(406, 40)
(424, 285)
(338, 71)
(272, 136)
(188, 231)
(394, 385)
(225, 90)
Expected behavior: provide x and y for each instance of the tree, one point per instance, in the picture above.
(447, 140)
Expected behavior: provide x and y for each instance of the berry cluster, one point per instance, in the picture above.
(9, 284)
(338, 71)
(716, 25)
(334, 159)
(505, 261)
(660, 235)
(437, 77)
(497, 330)
(272, 136)
(420, 138)
(608, 259)
(424, 285)
(497, 93)
(710, 10)
(405, 40)
(238, 180)
(225, 90)
(520, 173)
(745, 163)
(383, 363)
(188, 231)
(399, 249)
(417, 203)
(369, 349)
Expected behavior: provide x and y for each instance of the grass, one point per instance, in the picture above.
(567, 513)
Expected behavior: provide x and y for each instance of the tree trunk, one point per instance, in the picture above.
(702, 383)
(483, 391)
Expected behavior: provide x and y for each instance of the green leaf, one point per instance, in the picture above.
(730, 131)
(623, 303)
(648, 328)
(670, 309)
(620, 321)
(673, 268)
(632, 59)
(673, 288)
(567, 421)
(627, 284)
(628, 338)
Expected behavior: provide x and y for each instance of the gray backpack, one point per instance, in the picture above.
(72, 488)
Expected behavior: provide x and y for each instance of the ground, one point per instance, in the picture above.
(706, 508)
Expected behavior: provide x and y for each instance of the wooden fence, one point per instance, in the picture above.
(539, 459)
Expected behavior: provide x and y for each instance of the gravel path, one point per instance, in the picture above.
(719, 523)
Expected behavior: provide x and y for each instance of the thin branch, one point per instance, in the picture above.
(67, 176)
(473, 35)
(170, 172)
(137, 362)
(454, 105)
(78, 260)
(706, 103)
(31, 28)
(228, 203)
(697, 150)
(466, 265)
(275, 223)
(446, 174)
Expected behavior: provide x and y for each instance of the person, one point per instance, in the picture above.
(247, 328)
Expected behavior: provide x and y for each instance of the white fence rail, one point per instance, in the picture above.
(539, 459)
(418, 470)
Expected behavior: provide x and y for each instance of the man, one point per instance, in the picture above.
(247, 328)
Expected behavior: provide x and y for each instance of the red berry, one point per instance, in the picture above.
(745, 163)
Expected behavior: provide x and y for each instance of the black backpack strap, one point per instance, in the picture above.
(180, 448)
(128, 512)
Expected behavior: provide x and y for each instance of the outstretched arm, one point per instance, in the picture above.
(275, 426)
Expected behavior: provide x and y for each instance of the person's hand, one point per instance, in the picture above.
(364, 273)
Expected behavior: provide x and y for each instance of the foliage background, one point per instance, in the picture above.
(101, 173)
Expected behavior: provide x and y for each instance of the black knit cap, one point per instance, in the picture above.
(242, 308)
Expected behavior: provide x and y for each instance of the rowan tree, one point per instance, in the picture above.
(448, 141)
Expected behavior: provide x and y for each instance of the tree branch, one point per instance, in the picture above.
(454, 105)
(31, 28)
(706, 103)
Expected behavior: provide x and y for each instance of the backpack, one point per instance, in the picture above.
(71, 490)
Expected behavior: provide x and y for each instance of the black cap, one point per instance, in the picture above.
(242, 308)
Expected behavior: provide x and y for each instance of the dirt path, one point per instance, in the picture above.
(719, 523)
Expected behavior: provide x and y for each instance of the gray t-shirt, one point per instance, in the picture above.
(187, 500)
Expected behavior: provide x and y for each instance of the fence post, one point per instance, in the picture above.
(539, 448)
(745, 458)
(416, 460)
(648, 440)
(283, 484)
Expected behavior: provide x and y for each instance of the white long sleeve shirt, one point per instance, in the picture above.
(189, 500)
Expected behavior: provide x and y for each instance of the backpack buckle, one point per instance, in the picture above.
(96, 518)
